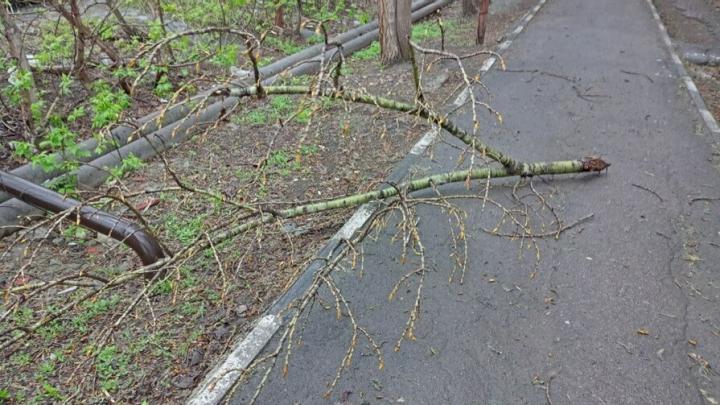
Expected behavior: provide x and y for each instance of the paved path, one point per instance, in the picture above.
(597, 80)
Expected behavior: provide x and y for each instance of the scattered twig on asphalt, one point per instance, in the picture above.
(627, 72)
(536, 72)
(702, 198)
(648, 190)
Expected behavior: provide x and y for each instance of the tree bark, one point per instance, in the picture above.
(84, 35)
(14, 38)
(395, 22)
(482, 17)
(280, 16)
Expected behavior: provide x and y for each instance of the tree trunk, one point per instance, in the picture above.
(482, 17)
(14, 38)
(84, 35)
(280, 16)
(395, 22)
(469, 7)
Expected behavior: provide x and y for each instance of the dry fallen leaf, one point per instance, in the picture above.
(643, 332)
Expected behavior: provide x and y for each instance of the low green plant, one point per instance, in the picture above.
(91, 309)
(107, 104)
(51, 392)
(111, 365)
(426, 30)
(369, 53)
(129, 164)
(4, 396)
(185, 231)
(284, 45)
(20, 359)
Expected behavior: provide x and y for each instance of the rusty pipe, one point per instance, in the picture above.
(129, 233)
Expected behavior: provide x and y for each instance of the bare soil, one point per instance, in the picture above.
(191, 318)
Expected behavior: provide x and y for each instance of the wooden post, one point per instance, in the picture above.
(482, 13)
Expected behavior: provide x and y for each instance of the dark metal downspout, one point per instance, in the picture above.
(102, 222)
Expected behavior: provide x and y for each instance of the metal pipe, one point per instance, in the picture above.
(129, 233)
(159, 119)
(95, 172)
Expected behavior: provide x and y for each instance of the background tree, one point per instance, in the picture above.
(482, 15)
(395, 20)
(28, 91)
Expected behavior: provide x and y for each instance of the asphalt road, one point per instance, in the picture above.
(622, 309)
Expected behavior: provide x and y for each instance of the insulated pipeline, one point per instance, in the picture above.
(132, 235)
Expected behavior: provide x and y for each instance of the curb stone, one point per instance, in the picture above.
(697, 98)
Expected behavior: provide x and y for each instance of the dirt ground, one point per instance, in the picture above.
(186, 322)
(695, 25)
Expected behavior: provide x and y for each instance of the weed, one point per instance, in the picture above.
(191, 309)
(23, 316)
(369, 53)
(185, 231)
(50, 392)
(51, 330)
(244, 175)
(308, 150)
(91, 309)
(426, 30)
(107, 105)
(111, 365)
(20, 359)
(46, 369)
(284, 45)
(163, 287)
(129, 163)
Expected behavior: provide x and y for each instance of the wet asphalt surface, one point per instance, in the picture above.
(622, 309)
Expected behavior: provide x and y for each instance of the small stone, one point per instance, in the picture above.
(221, 332)
(196, 357)
(183, 381)
(241, 309)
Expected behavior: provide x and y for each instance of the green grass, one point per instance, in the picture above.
(4, 396)
(92, 309)
(420, 32)
(369, 53)
(426, 30)
(279, 107)
(111, 365)
(284, 45)
(185, 231)
(20, 359)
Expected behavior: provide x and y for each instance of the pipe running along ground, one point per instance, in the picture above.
(95, 172)
(159, 119)
(129, 233)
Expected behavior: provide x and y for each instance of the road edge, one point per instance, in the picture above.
(710, 121)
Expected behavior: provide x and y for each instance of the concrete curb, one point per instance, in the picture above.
(219, 381)
(706, 115)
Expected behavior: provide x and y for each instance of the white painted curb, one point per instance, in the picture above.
(223, 377)
(706, 115)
